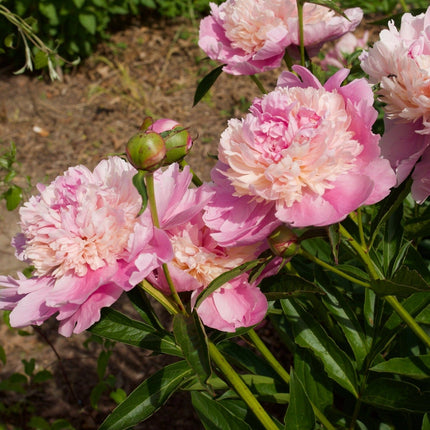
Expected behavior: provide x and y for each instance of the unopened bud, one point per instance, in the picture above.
(178, 144)
(146, 150)
(177, 138)
(284, 242)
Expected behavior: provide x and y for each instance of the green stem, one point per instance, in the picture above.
(407, 318)
(196, 180)
(301, 32)
(156, 221)
(265, 352)
(404, 6)
(168, 303)
(241, 388)
(392, 300)
(361, 252)
(258, 83)
(332, 268)
(360, 228)
(270, 358)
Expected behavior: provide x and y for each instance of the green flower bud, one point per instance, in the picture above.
(146, 150)
(178, 144)
(284, 242)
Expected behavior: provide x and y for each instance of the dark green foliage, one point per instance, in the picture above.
(74, 27)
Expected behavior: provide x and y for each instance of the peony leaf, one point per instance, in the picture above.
(214, 415)
(143, 306)
(318, 388)
(416, 367)
(339, 307)
(300, 415)
(148, 397)
(139, 183)
(114, 325)
(396, 395)
(190, 336)
(13, 197)
(284, 286)
(404, 283)
(389, 206)
(311, 335)
(206, 83)
(328, 3)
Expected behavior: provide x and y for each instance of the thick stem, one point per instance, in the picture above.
(155, 220)
(332, 268)
(258, 83)
(241, 388)
(301, 32)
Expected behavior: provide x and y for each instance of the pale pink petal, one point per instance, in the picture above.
(421, 178)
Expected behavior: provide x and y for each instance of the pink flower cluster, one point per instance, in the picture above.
(400, 63)
(251, 37)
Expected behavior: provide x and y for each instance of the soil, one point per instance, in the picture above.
(151, 68)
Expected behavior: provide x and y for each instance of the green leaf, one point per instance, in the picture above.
(49, 11)
(413, 305)
(139, 183)
(300, 415)
(38, 423)
(315, 381)
(8, 40)
(190, 336)
(396, 395)
(309, 334)
(143, 307)
(339, 307)
(389, 205)
(40, 60)
(102, 363)
(148, 397)
(88, 22)
(426, 422)
(334, 237)
(13, 197)
(42, 376)
(404, 283)
(241, 356)
(224, 278)
(206, 83)
(96, 393)
(116, 326)
(286, 285)
(79, 3)
(416, 367)
(2, 355)
(118, 395)
(393, 235)
(328, 3)
(214, 416)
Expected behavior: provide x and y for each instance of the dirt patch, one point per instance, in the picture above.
(149, 69)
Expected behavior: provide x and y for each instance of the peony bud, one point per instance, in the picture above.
(178, 144)
(283, 242)
(146, 150)
(177, 138)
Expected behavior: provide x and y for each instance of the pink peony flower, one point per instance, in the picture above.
(346, 45)
(250, 36)
(198, 259)
(87, 243)
(400, 63)
(234, 305)
(306, 152)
